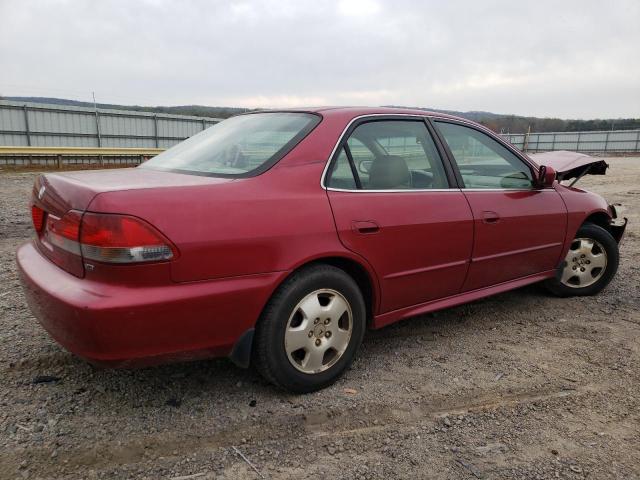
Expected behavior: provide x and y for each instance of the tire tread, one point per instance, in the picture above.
(262, 356)
(589, 229)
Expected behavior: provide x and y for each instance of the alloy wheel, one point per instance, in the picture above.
(585, 263)
(318, 331)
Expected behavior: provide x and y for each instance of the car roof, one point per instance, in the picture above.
(330, 111)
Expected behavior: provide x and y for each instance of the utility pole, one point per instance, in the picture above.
(95, 109)
(526, 140)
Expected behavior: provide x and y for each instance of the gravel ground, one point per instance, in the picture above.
(520, 385)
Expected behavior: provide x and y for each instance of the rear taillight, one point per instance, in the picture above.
(37, 215)
(108, 238)
(64, 232)
(122, 239)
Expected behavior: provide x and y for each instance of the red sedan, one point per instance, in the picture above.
(278, 238)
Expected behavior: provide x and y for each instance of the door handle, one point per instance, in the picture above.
(365, 227)
(490, 217)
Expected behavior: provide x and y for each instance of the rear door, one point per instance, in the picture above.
(394, 204)
(519, 228)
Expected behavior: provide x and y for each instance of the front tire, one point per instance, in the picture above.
(310, 330)
(590, 263)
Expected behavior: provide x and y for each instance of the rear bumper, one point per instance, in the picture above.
(119, 325)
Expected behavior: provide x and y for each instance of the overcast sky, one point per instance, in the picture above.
(572, 59)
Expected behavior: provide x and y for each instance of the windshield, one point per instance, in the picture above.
(241, 146)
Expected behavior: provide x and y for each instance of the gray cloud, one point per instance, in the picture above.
(574, 59)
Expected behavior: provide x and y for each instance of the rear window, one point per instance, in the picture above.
(240, 146)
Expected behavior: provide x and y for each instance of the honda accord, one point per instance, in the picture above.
(277, 238)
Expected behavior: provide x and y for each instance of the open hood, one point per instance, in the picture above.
(571, 164)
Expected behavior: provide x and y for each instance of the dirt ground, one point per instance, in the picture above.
(520, 385)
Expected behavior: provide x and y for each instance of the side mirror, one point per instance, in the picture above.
(546, 176)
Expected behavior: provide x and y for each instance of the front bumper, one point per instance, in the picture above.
(618, 223)
(120, 325)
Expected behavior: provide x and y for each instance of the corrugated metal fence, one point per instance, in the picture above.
(45, 125)
(614, 141)
(45, 134)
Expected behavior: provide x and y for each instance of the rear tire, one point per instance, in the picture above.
(590, 263)
(310, 330)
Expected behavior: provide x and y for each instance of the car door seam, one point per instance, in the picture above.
(378, 291)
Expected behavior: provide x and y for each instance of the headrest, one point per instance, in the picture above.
(389, 172)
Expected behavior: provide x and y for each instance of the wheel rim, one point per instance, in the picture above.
(585, 263)
(318, 331)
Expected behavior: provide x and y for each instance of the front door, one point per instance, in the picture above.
(393, 205)
(519, 228)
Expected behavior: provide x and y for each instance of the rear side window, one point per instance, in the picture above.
(240, 146)
(388, 155)
(482, 161)
(341, 176)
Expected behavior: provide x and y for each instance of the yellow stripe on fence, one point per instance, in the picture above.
(78, 151)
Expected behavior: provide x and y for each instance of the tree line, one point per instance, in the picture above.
(514, 124)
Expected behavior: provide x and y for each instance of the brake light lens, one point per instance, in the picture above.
(108, 238)
(64, 232)
(37, 215)
(114, 238)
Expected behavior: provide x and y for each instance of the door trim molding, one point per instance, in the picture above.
(516, 252)
(404, 190)
(417, 271)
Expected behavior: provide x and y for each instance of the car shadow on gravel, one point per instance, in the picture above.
(178, 385)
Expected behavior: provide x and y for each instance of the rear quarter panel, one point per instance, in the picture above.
(274, 222)
(267, 223)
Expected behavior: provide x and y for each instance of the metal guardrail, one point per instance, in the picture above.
(62, 156)
(82, 151)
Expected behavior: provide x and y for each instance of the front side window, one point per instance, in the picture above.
(240, 146)
(389, 155)
(482, 161)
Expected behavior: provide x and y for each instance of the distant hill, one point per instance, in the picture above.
(495, 121)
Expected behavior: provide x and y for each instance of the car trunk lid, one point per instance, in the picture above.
(63, 196)
(52, 198)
